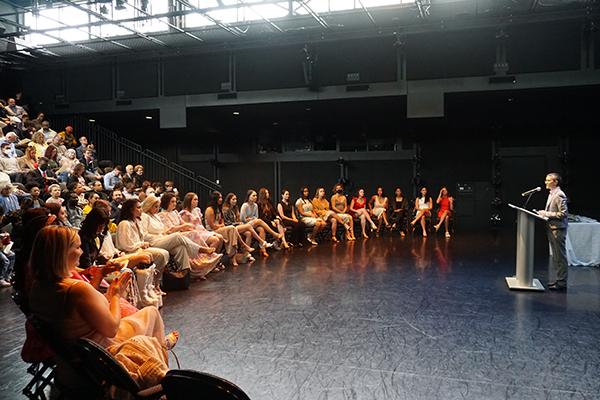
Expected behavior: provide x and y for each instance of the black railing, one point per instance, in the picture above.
(111, 146)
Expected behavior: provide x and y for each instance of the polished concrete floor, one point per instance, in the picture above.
(386, 318)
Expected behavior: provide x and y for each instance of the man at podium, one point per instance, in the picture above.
(556, 212)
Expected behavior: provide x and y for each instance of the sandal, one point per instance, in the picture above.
(171, 340)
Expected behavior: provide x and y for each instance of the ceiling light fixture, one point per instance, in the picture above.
(236, 113)
(148, 117)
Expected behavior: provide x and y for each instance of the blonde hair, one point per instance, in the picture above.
(49, 253)
(149, 202)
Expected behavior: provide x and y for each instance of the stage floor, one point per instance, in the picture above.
(385, 318)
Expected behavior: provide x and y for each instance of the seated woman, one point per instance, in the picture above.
(423, 206)
(78, 176)
(73, 309)
(308, 217)
(399, 210)
(51, 154)
(67, 164)
(38, 141)
(174, 223)
(249, 215)
(192, 214)
(339, 204)
(446, 203)
(288, 218)
(231, 216)
(378, 206)
(267, 213)
(321, 208)
(182, 249)
(28, 162)
(358, 207)
(215, 222)
(131, 236)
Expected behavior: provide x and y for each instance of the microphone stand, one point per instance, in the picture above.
(528, 198)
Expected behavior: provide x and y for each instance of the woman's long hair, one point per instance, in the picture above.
(227, 205)
(127, 209)
(49, 254)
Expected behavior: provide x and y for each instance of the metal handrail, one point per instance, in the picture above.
(111, 146)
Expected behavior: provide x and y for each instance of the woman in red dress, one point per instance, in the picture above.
(358, 208)
(446, 204)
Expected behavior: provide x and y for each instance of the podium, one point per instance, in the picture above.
(524, 280)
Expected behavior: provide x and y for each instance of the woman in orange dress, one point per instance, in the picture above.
(446, 203)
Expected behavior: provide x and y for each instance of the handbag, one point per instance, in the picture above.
(175, 278)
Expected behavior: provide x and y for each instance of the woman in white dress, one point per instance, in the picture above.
(379, 205)
(304, 207)
(423, 206)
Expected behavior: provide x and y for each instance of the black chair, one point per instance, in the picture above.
(41, 366)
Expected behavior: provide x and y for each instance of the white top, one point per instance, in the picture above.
(152, 226)
(306, 205)
(423, 203)
(130, 236)
(248, 212)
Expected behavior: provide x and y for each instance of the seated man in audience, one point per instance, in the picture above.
(11, 138)
(82, 147)
(92, 198)
(68, 137)
(8, 200)
(48, 133)
(92, 172)
(128, 173)
(13, 109)
(99, 190)
(116, 204)
(41, 177)
(112, 178)
(170, 188)
(9, 165)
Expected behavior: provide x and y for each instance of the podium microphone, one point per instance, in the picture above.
(527, 193)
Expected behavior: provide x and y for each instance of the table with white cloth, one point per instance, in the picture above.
(583, 243)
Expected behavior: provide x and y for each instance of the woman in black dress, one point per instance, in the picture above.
(288, 218)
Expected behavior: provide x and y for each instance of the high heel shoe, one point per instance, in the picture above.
(312, 241)
(264, 253)
(436, 227)
(373, 226)
(334, 239)
(365, 236)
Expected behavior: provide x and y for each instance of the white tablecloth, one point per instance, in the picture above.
(583, 243)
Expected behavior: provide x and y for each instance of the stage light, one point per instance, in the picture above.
(92, 120)
(236, 113)
(148, 117)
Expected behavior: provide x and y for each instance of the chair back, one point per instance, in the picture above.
(180, 384)
(104, 367)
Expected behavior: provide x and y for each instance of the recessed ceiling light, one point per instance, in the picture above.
(236, 113)
(148, 117)
(92, 120)
(307, 108)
